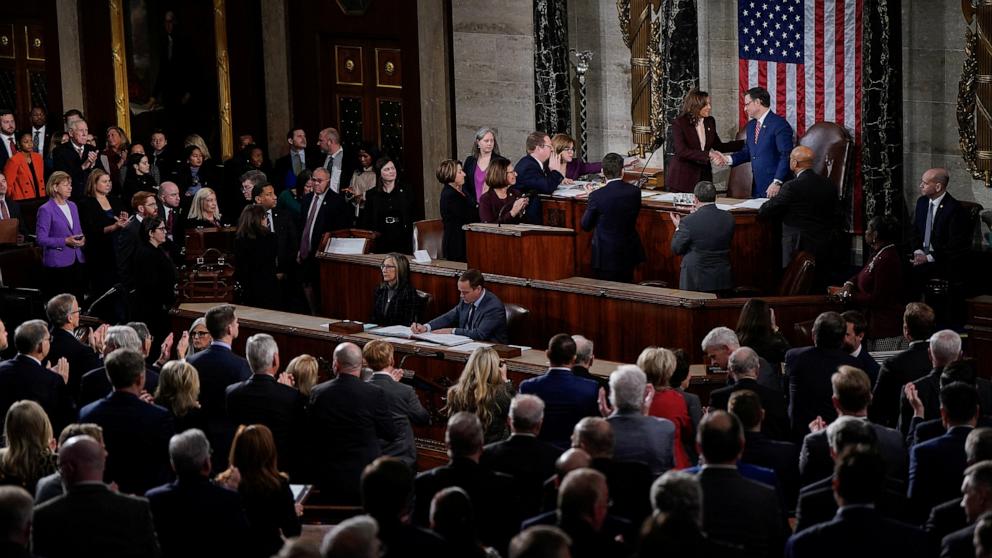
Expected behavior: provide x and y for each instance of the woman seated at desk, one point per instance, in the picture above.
(396, 300)
(877, 288)
(501, 203)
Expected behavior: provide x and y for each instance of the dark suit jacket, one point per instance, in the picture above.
(283, 175)
(815, 462)
(935, 470)
(66, 159)
(922, 430)
(91, 520)
(23, 378)
(528, 460)
(928, 389)
(909, 365)
(218, 368)
(95, 384)
(349, 418)
(691, 162)
(959, 544)
(567, 400)
(82, 358)
(779, 456)
(333, 214)
(127, 247)
(457, 209)
(742, 512)
(195, 517)
(818, 505)
(776, 424)
(288, 240)
(945, 519)
(769, 157)
(703, 240)
(167, 162)
(950, 236)
(612, 212)
(533, 179)
(14, 209)
(868, 365)
(807, 205)
(175, 242)
(808, 371)
(488, 320)
(858, 531)
(406, 409)
(137, 438)
(262, 400)
(349, 164)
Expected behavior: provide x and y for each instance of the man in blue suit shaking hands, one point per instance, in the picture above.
(767, 145)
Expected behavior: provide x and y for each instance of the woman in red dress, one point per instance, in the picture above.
(658, 365)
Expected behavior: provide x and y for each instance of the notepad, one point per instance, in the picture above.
(403, 332)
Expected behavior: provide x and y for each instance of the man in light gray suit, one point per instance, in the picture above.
(649, 440)
(703, 240)
(401, 400)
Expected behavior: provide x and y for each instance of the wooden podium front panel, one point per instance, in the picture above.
(531, 256)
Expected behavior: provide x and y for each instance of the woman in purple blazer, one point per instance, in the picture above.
(694, 134)
(60, 236)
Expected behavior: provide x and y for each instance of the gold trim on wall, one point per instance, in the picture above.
(119, 60)
(223, 80)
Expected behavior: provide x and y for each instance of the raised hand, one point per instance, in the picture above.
(182, 347)
(914, 399)
(62, 369)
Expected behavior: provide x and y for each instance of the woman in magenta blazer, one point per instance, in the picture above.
(694, 135)
(60, 236)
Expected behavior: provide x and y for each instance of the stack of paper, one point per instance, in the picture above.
(403, 332)
(755, 203)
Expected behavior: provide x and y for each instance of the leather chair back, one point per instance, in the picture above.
(425, 305)
(739, 183)
(516, 319)
(797, 279)
(833, 150)
(428, 235)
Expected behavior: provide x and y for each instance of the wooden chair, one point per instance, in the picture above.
(428, 235)
(516, 319)
(740, 180)
(798, 276)
(425, 303)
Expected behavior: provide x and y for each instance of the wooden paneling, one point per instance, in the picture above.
(521, 251)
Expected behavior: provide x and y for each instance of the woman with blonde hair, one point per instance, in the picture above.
(483, 389)
(29, 454)
(563, 146)
(303, 369)
(658, 365)
(203, 212)
(179, 392)
(265, 493)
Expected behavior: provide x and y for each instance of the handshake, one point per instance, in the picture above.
(717, 158)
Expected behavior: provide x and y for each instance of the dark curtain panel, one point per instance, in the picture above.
(679, 62)
(552, 98)
(881, 105)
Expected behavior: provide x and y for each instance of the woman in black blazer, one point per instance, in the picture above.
(155, 286)
(457, 209)
(485, 149)
(255, 250)
(396, 301)
(691, 162)
(388, 209)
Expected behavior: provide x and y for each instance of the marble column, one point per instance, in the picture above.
(275, 59)
(552, 97)
(881, 126)
(679, 63)
(435, 97)
(69, 62)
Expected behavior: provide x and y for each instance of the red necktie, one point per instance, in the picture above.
(169, 220)
(13, 147)
(757, 131)
(4, 214)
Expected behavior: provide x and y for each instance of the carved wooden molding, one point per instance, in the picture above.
(223, 80)
(119, 61)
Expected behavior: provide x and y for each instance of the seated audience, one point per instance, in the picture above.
(23, 377)
(265, 493)
(878, 288)
(264, 399)
(905, 367)
(501, 203)
(645, 439)
(404, 405)
(453, 518)
(59, 233)
(858, 527)
(629, 481)
(387, 496)
(28, 454)
(304, 370)
(458, 208)
(480, 315)
(854, 344)
(484, 390)
(90, 519)
(743, 366)
(756, 328)
(179, 391)
(25, 170)
(396, 301)
(567, 398)
(348, 417)
(736, 510)
(388, 210)
(256, 254)
(193, 516)
(203, 210)
(763, 451)
(15, 522)
(156, 280)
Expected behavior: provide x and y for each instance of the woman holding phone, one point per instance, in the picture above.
(60, 235)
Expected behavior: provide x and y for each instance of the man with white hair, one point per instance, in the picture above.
(95, 384)
(743, 366)
(944, 349)
(193, 516)
(355, 537)
(584, 357)
(77, 157)
(264, 399)
(720, 342)
(63, 319)
(24, 377)
(646, 439)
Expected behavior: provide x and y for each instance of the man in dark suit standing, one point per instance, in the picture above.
(767, 143)
(949, 517)
(942, 234)
(612, 212)
(296, 161)
(736, 510)
(404, 405)
(136, 433)
(480, 315)
(567, 398)
(24, 377)
(174, 217)
(760, 450)
(851, 396)
(903, 368)
(8, 143)
(163, 156)
(809, 369)
(809, 209)
(324, 211)
(262, 399)
(349, 417)
(218, 367)
(945, 348)
(538, 173)
(76, 157)
(857, 325)
(977, 500)
(193, 516)
(145, 206)
(63, 316)
(90, 519)
(287, 236)
(387, 496)
(858, 528)
(703, 240)
(743, 366)
(333, 158)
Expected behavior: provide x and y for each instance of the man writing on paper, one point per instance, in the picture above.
(480, 315)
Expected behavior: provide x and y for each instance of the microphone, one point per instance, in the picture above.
(111, 291)
(640, 179)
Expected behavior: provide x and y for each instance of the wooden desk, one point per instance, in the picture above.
(20, 266)
(621, 319)
(755, 254)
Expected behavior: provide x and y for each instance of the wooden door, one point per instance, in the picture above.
(23, 82)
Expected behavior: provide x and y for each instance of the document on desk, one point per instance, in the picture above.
(393, 331)
(403, 332)
(470, 347)
(346, 246)
(754, 203)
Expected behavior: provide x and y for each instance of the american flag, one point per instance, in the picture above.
(807, 54)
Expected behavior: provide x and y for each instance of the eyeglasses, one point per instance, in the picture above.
(200, 334)
(387, 266)
(569, 149)
(548, 145)
(511, 171)
(162, 228)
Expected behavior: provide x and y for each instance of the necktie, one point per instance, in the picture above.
(4, 214)
(13, 147)
(37, 141)
(305, 242)
(169, 219)
(272, 223)
(929, 228)
(297, 164)
(471, 312)
(757, 131)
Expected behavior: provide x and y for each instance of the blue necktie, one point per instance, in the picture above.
(928, 229)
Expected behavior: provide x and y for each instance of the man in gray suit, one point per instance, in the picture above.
(703, 240)
(401, 400)
(649, 440)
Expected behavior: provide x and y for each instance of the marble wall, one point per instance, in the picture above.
(718, 68)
